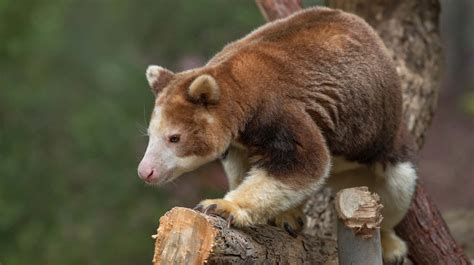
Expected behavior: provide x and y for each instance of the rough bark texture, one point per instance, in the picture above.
(428, 236)
(358, 227)
(321, 215)
(410, 29)
(186, 236)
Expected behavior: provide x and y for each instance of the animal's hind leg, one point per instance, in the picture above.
(395, 183)
(292, 220)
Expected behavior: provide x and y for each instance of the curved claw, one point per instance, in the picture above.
(230, 219)
(300, 221)
(401, 261)
(397, 261)
(272, 222)
(210, 208)
(290, 230)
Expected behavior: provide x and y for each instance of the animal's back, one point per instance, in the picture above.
(337, 67)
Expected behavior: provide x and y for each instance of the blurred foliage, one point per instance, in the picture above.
(467, 103)
(73, 98)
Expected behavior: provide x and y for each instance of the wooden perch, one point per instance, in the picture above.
(186, 236)
(358, 228)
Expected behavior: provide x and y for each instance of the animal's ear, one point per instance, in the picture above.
(158, 77)
(204, 89)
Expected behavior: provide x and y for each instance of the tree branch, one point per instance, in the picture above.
(186, 236)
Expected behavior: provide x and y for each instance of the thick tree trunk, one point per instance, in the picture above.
(410, 31)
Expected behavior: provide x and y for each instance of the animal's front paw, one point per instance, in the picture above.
(394, 248)
(228, 210)
(290, 220)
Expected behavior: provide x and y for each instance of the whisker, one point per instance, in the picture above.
(145, 121)
(173, 183)
(142, 129)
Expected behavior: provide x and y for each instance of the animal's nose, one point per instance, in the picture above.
(146, 172)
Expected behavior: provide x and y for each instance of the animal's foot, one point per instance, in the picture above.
(394, 248)
(228, 210)
(291, 220)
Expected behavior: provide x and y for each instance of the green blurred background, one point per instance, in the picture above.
(74, 104)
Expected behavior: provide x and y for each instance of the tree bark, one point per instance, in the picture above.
(427, 234)
(410, 30)
(186, 236)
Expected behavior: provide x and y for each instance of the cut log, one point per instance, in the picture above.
(186, 236)
(358, 228)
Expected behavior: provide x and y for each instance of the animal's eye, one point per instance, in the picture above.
(174, 138)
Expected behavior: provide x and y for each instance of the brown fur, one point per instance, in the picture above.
(322, 64)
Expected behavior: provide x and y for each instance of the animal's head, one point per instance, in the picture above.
(184, 131)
